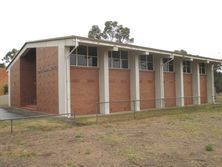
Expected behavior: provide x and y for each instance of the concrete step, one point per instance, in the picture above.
(30, 107)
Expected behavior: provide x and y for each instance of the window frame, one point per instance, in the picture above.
(167, 65)
(186, 66)
(119, 59)
(147, 62)
(88, 57)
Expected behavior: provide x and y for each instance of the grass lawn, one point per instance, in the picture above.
(190, 136)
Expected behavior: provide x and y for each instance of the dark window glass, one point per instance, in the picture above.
(143, 57)
(124, 55)
(165, 60)
(73, 59)
(143, 64)
(202, 68)
(171, 68)
(150, 65)
(116, 54)
(92, 61)
(188, 70)
(150, 58)
(92, 51)
(124, 63)
(82, 60)
(82, 50)
(116, 63)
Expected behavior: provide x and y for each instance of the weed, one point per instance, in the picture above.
(209, 147)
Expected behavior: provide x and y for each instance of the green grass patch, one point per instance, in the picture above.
(209, 147)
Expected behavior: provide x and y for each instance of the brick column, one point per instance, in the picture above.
(196, 82)
(159, 82)
(104, 81)
(134, 81)
(179, 83)
(210, 83)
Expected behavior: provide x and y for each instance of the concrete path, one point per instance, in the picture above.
(4, 114)
(11, 113)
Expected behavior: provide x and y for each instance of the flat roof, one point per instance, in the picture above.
(98, 41)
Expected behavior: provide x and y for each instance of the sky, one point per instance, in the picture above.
(193, 25)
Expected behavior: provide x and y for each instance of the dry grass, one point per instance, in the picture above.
(171, 137)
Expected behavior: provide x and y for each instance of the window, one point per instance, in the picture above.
(146, 62)
(202, 67)
(118, 59)
(84, 56)
(168, 65)
(186, 66)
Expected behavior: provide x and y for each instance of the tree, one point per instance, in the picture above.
(218, 78)
(181, 51)
(112, 32)
(9, 56)
(95, 32)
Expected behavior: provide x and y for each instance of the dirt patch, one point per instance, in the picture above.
(168, 140)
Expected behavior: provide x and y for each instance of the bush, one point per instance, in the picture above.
(5, 89)
(209, 147)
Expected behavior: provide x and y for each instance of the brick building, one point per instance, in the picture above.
(3, 78)
(72, 74)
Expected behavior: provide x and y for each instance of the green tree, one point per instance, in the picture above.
(181, 51)
(218, 78)
(95, 32)
(112, 32)
(9, 56)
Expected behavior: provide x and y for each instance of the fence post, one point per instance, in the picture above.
(11, 126)
(134, 110)
(97, 112)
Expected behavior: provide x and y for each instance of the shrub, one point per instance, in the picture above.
(5, 89)
(209, 147)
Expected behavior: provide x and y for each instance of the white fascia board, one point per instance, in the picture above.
(122, 47)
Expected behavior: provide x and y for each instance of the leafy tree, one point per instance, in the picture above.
(218, 78)
(2, 65)
(9, 56)
(5, 89)
(95, 32)
(181, 51)
(112, 32)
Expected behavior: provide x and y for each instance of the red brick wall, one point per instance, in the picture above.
(170, 89)
(188, 89)
(28, 78)
(203, 88)
(15, 84)
(84, 90)
(147, 89)
(119, 89)
(3, 80)
(47, 79)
